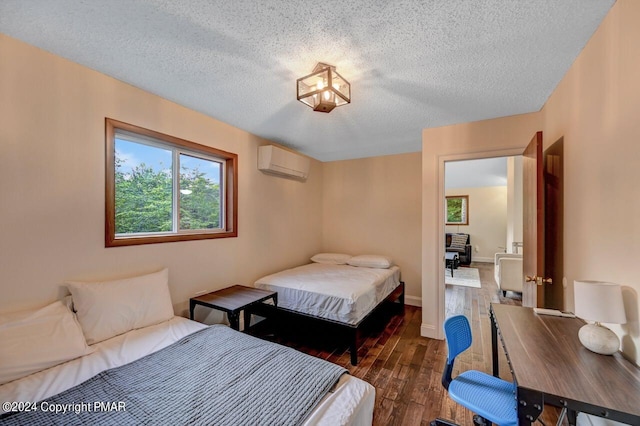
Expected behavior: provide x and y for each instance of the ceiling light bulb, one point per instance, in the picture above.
(327, 95)
(320, 85)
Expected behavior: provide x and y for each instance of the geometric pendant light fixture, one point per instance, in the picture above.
(324, 89)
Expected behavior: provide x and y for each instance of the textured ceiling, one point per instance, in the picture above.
(411, 64)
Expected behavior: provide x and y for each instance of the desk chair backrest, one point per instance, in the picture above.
(490, 398)
(458, 334)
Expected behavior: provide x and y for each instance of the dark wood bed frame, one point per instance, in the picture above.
(353, 330)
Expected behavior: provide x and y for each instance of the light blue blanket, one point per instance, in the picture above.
(216, 376)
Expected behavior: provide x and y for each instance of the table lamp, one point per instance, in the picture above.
(599, 302)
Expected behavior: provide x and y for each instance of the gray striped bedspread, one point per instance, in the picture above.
(216, 376)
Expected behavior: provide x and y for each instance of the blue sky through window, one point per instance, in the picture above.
(132, 154)
(211, 169)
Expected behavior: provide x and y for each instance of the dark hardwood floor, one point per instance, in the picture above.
(406, 368)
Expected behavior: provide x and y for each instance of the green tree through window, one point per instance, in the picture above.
(199, 195)
(457, 210)
(144, 193)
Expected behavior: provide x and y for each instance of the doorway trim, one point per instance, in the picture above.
(442, 159)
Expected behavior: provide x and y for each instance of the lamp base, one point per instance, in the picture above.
(599, 339)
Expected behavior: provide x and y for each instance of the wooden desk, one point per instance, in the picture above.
(232, 300)
(550, 366)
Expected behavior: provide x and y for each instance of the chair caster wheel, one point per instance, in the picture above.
(479, 421)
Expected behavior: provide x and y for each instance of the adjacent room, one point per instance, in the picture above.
(483, 228)
(338, 213)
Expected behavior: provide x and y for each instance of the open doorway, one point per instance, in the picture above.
(483, 216)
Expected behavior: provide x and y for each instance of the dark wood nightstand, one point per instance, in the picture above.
(232, 300)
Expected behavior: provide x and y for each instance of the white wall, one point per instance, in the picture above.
(514, 202)
(52, 187)
(487, 220)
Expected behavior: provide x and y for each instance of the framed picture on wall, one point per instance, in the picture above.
(457, 209)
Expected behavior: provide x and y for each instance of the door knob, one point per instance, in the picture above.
(538, 280)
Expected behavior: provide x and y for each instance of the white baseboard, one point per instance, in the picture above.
(413, 300)
(483, 259)
(428, 330)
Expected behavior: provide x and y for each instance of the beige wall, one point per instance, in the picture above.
(52, 186)
(595, 108)
(52, 183)
(482, 139)
(372, 206)
(487, 220)
(52, 147)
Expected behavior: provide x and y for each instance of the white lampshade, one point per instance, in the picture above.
(599, 301)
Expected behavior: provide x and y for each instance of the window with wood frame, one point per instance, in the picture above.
(457, 210)
(160, 188)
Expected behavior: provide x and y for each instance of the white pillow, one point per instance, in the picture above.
(331, 258)
(108, 308)
(38, 340)
(371, 261)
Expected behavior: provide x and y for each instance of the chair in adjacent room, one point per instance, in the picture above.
(508, 272)
(492, 399)
(461, 244)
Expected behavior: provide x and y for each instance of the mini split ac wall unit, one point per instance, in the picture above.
(280, 162)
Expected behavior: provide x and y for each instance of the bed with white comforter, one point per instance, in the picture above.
(342, 293)
(147, 334)
(338, 289)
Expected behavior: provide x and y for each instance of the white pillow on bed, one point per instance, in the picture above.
(371, 261)
(108, 308)
(39, 340)
(331, 258)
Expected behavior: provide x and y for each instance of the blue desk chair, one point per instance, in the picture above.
(492, 399)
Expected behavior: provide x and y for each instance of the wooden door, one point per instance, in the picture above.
(533, 221)
(553, 178)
